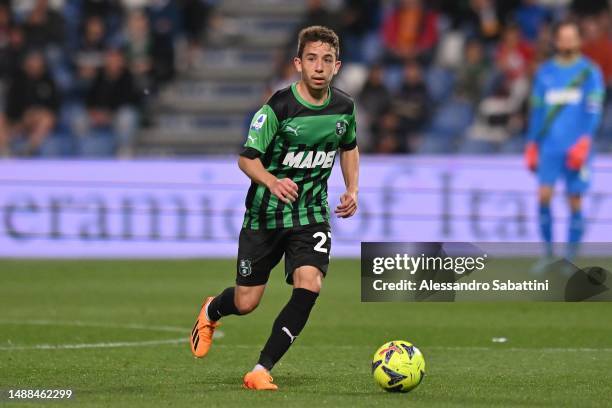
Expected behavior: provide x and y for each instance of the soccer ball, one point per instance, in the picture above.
(398, 366)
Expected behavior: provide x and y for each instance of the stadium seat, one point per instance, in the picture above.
(59, 144)
(514, 145)
(351, 78)
(603, 141)
(448, 124)
(98, 143)
(453, 116)
(393, 77)
(372, 48)
(437, 143)
(471, 146)
(440, 83)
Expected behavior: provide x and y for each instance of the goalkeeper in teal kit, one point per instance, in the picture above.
(566, 106)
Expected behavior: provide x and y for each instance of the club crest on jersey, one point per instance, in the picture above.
(340, 128)
(245, 267)
(259, 122)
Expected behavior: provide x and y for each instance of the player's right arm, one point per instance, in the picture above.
(284, 189)
(536, 121)
(261, 132)
(594, 91)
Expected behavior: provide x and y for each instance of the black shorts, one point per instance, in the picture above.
(259, 251)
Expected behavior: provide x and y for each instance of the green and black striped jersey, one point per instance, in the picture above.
(298, 140)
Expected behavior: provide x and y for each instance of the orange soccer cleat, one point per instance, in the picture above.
(259, 380)
(202, 333)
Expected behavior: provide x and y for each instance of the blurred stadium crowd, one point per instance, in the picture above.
(454, 76)
(123, 77)
(76, 75)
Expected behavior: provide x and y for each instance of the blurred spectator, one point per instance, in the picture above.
(590, 7)
(374, 97)
(359, 17)
(473, 75)
(410, 31)
(109, 11)
(411, 106)
(196, 17)
(543, 46)
(44, 26)
(6, 62)
(285, 77)
(455, 11)
(90, 55)
(138, 49)
(106, 9)
(506, 9)
(195, 14)
(317, 14)
(5, 24)
(408, 89)
(33, 107)
(604, 19)
(513, 54)
(99, 8)
(498, 118)
(530, 16)
(597, 45)
(387, 133)
(164, 21)
(111, 103)
(87, 30)
(16, 50)
(373, 101)
(483, 20)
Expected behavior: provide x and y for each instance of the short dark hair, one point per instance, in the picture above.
(315, 34)
(566, 23)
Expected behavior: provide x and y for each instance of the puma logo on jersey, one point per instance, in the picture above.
(310, 160)
(293, 130)
(251, 138)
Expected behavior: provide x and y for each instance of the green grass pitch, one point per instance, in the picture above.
(118, 333)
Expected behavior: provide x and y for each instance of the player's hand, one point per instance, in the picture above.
(284, 189)
(578, 154)
(531, 156)
(348, 205)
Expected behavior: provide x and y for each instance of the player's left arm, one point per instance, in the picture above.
(349, 163)
(593, 89)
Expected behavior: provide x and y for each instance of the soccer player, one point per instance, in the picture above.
(288, 155)
(566, 106)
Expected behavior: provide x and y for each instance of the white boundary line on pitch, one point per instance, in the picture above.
(79, 323)
(93, 345)
(220, 334)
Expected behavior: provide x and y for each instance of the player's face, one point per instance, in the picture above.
(568, 41)
(318, 64)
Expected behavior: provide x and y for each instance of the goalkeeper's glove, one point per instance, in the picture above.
(578, 154)
(531, 156)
